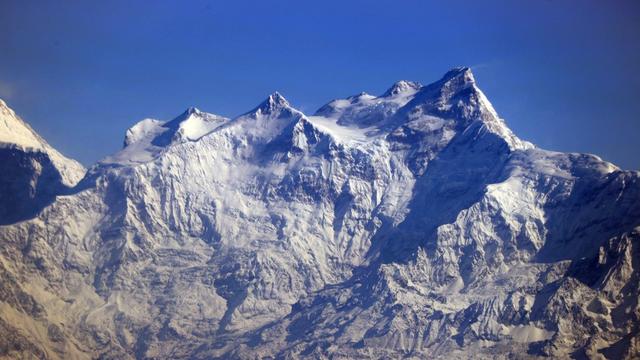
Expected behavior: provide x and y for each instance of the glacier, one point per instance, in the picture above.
(411, 224)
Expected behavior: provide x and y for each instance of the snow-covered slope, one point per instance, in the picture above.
(414, 224)
(18, 135)
(32, 173)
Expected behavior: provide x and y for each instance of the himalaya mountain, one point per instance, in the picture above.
(411, 224)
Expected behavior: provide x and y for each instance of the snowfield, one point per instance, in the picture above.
(411, 224)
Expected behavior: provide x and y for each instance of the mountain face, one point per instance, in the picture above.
(32, 173)
(411, 224)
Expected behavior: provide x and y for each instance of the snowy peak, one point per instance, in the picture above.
(193, 110)
(191, 125)
(183, 117)
(194, 124)
(145, 140)
(458, 77)
(459, 72)
(402, 87)
(277, 99)
(141, 130)
(453, 82)
(275, 104)
(455, 96)
(360, 97)
(187, 120)
(457, 100)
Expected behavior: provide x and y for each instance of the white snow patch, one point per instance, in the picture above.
(343, 133)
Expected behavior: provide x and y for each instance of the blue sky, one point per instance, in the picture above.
(564, 74)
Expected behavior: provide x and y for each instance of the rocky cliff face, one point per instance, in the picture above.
(414, 223)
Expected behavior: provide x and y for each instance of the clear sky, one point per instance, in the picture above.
(564, 74)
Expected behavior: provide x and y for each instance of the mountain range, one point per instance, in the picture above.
(413, 224)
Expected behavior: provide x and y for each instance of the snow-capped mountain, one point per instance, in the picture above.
(410, 224)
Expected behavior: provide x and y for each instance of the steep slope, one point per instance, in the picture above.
(32, 173)
(414, 223)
